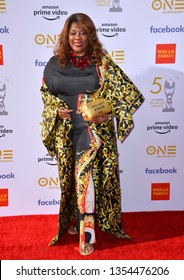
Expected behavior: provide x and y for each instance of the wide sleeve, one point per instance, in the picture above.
(49, 118)
(124, 96)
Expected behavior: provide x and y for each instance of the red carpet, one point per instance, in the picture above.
(155, 236)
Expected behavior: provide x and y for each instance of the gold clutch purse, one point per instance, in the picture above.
(93, 108)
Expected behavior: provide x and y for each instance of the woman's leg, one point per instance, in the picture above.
(85, 149)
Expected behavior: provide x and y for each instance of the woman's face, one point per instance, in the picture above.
(78, 39)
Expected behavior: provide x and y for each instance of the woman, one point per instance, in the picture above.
(86, 151)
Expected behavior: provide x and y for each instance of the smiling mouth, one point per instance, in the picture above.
(78, 44)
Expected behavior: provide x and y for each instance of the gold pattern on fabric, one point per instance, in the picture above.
(124, 99)
(82, 173)
(89, 221)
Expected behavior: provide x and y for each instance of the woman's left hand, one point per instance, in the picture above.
(100, 119)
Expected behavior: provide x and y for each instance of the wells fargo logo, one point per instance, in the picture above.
(165, 53)
(3, 197)
(160, 191)
(1, 55)
(168, 6)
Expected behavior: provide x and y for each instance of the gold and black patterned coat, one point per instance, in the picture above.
(124, 99)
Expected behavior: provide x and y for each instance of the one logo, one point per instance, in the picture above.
(169, 89)
(2, 6)
(115, 6)
(161, 151)
(2, 99)
(48, 40)
(50, 12)
(3, 197)
(110, 30)
(48, 160)
(160, 191)
(162, 127)
(118, 56)
(168, 6)
(51, 183)
(6, 155)
(1, 55)
(165, 53)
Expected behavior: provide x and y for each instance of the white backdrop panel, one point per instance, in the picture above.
(150, 157)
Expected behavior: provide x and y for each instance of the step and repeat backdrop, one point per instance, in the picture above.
(146, 40)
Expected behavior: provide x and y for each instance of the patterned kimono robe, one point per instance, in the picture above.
(124, 99)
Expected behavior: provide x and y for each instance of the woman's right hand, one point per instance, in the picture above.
(64, 113)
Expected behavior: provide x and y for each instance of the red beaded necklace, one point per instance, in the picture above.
(80, 62)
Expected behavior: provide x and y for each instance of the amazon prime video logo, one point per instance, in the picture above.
(48, 160)
(110, 30)
(50, 12)
(162, 127)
